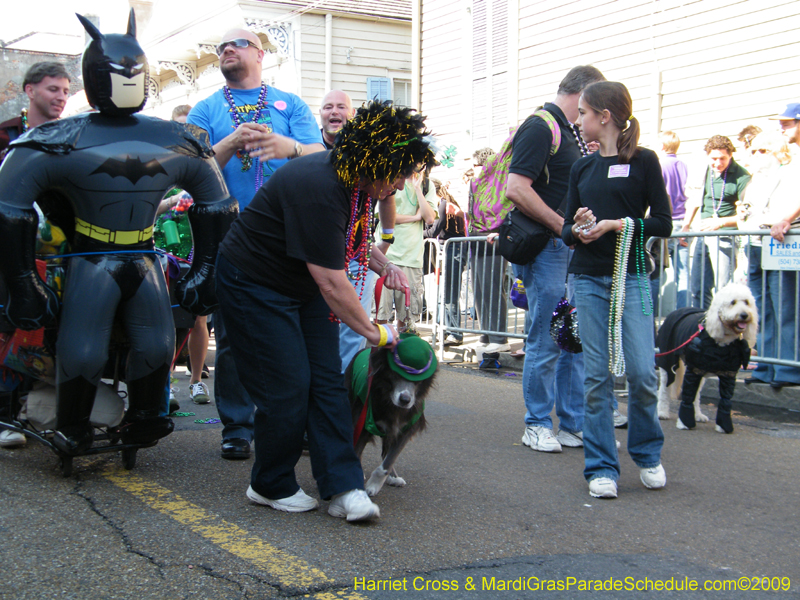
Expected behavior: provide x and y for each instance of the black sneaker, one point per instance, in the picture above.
(204, 375)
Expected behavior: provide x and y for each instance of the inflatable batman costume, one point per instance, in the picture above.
(100, 176)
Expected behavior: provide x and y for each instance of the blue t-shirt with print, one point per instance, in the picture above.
(286, 113)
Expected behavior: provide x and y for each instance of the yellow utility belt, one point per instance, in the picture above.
(124, 238)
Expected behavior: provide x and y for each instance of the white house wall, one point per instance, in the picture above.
(699, 68)
(376, 49)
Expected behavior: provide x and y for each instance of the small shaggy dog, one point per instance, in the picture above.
(694, 345)
(394, 411)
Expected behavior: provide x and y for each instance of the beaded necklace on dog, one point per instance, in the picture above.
(714, 204)
(261, 106)
(358, 252)
(615, 353)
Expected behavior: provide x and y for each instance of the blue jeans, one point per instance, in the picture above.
(780, 295)
(234, 405)
(680, 264)
(550, 376)
(645, 438)
(713, 265)
(271, 336)
(350, 343)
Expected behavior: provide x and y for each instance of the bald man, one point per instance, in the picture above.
(335, 111)
(247, 110)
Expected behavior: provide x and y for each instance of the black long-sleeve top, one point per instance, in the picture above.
(615, 191)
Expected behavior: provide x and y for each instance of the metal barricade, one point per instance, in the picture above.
(473, 293)
(486, 310)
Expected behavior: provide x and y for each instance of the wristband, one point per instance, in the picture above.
(383, 270)
(384, 335)
(387, 235)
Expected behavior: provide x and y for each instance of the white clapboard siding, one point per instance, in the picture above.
(447, 57)
(701, 67)
(376, 48)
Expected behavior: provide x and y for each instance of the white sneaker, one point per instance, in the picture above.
(12, 439)
(199, 393)
(488, 348)
(603, 487)
(540, 438)
(620, 420)
(299, 502)
(355, 505)
(653, 478)
(569, 439)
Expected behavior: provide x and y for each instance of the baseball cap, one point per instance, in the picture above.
(792, 112)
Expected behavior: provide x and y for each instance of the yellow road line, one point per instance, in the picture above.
(289, 570)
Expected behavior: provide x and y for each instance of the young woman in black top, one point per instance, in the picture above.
(609, 195)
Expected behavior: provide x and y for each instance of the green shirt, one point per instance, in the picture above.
(719, 203)
(407, 249)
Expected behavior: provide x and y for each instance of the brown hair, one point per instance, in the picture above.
(615, 98)
(180, 110)
(747, 134)
(670, 142)
(481, 156)
(40, 70)
(578, 78)
(719, 142)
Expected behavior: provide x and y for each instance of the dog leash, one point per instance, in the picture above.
(694, 335)
(362, 418)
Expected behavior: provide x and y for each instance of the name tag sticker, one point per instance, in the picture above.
(619, 171)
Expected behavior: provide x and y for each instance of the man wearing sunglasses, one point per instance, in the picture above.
(247, 111)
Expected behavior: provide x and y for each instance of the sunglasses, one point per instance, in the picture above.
(759, 150)
(238, 43)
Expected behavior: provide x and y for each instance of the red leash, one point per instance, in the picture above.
(694, 335)
(363, 416)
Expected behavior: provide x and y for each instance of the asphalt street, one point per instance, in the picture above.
(482, 516)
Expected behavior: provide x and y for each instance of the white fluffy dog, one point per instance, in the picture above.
(694, 345)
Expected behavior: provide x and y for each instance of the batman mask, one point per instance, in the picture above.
(115, 72)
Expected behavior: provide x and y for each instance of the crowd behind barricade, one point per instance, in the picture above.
(743, 190)
(296, 267)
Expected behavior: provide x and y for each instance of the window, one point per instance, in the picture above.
(387, 88)
(401, 92)
(379, 88)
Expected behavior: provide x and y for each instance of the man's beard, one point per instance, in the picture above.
(233, 72)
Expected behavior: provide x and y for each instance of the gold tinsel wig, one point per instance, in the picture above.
(382, 143)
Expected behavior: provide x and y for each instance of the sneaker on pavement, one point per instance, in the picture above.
(603, 487)
(299, 502)
(540, 438)
(199, 393)
(12, 439)
(620, 420)
(653, 478)
(205, 374)
(173, 403)
(354, 505)
(569, 439)
(452, 340)
(489, 348)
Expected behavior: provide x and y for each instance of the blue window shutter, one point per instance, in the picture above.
(379, 88)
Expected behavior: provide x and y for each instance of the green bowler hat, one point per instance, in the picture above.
(413, 358)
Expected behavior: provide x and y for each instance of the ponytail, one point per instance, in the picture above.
(628, 141)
